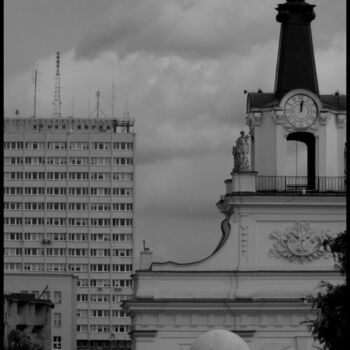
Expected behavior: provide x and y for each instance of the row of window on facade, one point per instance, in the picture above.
(102, 298)
(96, 252)
(35, 145)
(116, 222)
(100, 313)
(68, 267)
(70, 206)
(101, 328)
(63, 175)
(103, 283)
(68, 161)
(83, 344)
(56, 296)
(62, 236)
(70, 191)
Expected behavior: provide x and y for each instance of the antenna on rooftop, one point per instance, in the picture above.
(125, 109)
(145, 249)
(89, 108)
(73, 106)
(98, 103)
(35, 79)
(112, 99)
(44, 292)
(97, 109)
(57, 98)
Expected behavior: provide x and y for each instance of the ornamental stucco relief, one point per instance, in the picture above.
(299, 242)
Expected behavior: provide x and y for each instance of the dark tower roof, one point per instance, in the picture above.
(296, 67)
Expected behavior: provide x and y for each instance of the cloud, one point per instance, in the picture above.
(188, 29)
(184, 88)
(330, 64)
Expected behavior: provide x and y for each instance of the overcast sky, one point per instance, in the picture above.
(181, 66)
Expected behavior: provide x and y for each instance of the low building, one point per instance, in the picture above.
(61, 290)
(24, 312)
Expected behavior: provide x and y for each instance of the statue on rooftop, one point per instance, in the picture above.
(240, 153)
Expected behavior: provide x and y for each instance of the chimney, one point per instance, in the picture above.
(146, 258)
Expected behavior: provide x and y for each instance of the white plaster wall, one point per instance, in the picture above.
(265, 146)
(331, 137)
(260, 329)
(253, 220)
(281, 151)
(270, 145)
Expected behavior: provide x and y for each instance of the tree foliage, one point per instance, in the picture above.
(331, 327)
(17, 340)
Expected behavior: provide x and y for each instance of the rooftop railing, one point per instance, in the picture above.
(300, 183)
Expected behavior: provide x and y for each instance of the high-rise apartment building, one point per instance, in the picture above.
(69, 207)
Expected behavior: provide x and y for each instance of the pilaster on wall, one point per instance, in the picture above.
(341, 137)
(281, 151)
(143, 339)
(328, 146)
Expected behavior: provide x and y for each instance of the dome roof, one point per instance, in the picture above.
(219, 339)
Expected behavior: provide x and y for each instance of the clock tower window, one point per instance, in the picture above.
(309, 140)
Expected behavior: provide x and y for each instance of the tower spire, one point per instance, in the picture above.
(296, 67)
(57, 97)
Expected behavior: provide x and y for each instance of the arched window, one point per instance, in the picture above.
(302, 154)
(306, 153)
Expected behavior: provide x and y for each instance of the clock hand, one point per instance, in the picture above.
(301, 106)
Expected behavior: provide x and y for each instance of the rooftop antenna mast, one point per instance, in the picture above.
(35, 83)
(112, 99)
(125, 108)
(89, 108)
(98, 104)
(97, 109)
(57, 98)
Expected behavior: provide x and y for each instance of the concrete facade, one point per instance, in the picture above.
(69, 208)
(30, 315)
(61, 290)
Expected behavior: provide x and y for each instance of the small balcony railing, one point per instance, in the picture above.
(300, 183)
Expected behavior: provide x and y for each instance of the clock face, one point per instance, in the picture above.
(300, 111)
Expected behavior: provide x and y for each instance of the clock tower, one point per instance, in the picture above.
(296, 111)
